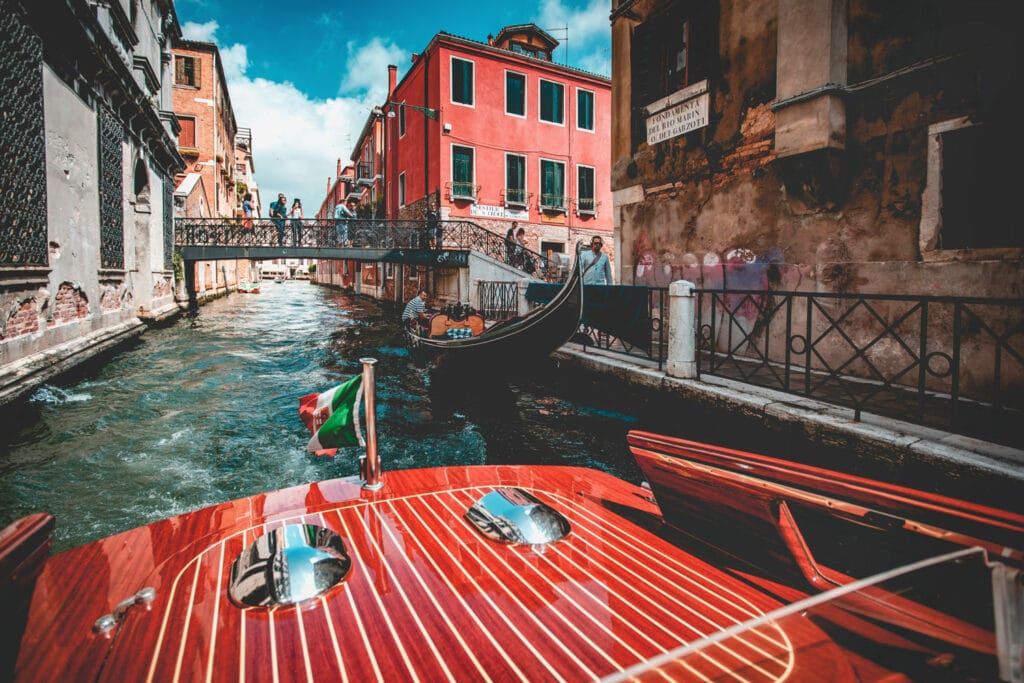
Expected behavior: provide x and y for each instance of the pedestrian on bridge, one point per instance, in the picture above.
(342, 214)
(433, 224)
(296, 215)
(278, 210)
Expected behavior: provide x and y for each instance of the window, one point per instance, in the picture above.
(401, 188)
(462, 172)
(515, 179)
(552, 185)
(187, 136)
(585, 190)
(515, 94)
(186, 71)
(966, 197)
(584, 110)
(401, 119)
(462, 81)
(672, 49)
(552, 102)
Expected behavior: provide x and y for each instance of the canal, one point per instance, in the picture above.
(206, 410)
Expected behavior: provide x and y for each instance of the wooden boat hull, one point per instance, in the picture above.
(534, 335)
(428, 598)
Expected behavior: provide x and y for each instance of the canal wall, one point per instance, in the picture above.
(818, 433)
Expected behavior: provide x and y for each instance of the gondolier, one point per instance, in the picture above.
(413, 312)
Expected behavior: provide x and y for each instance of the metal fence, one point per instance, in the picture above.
(365, 233)
(639, 330)
(498, 300)
(955, 363)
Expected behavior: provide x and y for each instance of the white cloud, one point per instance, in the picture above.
(297, 139)
(201, 32)
(368, 67)
(590, 34)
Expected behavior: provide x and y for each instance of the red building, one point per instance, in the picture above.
(500, 133)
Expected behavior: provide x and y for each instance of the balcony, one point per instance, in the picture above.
(516, 197)
(586, 206)
(364, 173)
(463, 191)
(554, 203)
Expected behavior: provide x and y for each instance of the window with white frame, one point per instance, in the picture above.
(515, 179)
(585, 203)
(552, 102)
(552, 185)
(463, 186)
(462, 81)
(401, 188)
(584, 109)
(515, 93)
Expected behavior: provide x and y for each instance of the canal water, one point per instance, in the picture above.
(206, 410)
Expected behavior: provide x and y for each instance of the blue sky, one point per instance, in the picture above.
(304, 75)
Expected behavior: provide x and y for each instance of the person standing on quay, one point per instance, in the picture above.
(596, 268)
(296, 215)
(278, 210)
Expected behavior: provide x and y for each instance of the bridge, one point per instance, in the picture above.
(445, 244)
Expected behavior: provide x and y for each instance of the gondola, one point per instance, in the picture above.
(533, 335)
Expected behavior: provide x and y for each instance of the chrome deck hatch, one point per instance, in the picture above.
(512, 515)
(289, 565)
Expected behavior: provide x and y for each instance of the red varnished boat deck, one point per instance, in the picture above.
(428, 598)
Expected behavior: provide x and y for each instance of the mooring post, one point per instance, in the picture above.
(371, 470)
(682, 332)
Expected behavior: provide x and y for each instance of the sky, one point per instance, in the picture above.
(304, 75)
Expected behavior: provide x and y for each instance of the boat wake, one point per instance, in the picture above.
(56, 396)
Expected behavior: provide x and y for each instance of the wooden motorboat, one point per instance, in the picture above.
(533, 335)
(512, 573)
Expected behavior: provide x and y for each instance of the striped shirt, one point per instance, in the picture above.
(413, 309)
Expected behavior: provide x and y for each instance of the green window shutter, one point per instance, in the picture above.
(515, 94)
(462, 81)
(552, 105)
(585, 110)
(462, 171)
(552, 184)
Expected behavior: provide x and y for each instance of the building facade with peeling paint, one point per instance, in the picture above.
(857, 143)
(851, 146)
(88, 157)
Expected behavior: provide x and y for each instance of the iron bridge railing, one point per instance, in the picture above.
(360, 233)
(955, 363)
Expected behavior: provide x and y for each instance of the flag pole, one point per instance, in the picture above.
(371, 461)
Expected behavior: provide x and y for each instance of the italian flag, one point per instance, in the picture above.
(333, 417)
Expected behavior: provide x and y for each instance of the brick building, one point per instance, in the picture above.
(202, 105)
(837, 146)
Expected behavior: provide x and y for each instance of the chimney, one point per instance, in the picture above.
(490, 39)
(339, 168)
(392, 77)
